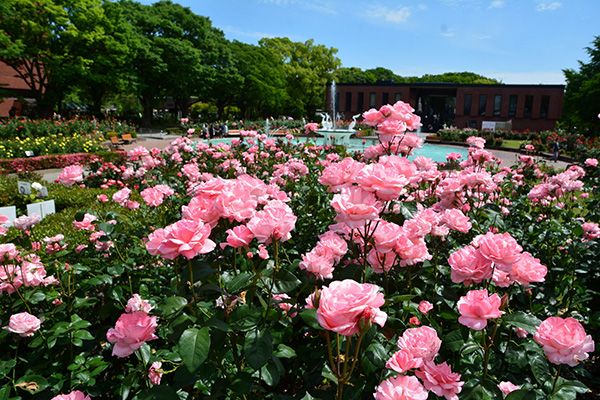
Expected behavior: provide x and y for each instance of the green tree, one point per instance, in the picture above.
(263, 90)
(45, 43)
(308, 67)
(458, 77)
(582, 95)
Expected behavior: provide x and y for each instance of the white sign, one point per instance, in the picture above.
(24, 187)
(43, 209)
(488, 125)
(10, 212)
(29, 153)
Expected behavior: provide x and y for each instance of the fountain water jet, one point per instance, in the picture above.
(329, 130)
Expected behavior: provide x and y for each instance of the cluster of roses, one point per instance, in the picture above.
(497, 257)
(392, 122)
(18, 270)
(98, 238)
(260, 210)
(557, 186)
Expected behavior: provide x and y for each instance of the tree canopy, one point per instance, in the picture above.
(582, 96)
(104, 51)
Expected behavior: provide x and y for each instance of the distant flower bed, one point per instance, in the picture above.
(28, 164)
(24, 128)
(52, 144)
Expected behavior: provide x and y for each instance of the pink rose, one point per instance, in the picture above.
(86, 224)
(528, 269)
(122, 196)
(354, 206)
(344, 306)
(421, 343)
(564, 340)
(499, 248)
(401, 387)
(477, 307)
(102, 198)
(239, 236)
(468, 266)
(8, 251)
(24, 324)
(152, 197)
(402, 361)
(456, 220)
(131, 331)
(136, 303)
(384, 182)
(320, 265)
(155, 373)
(591, 162)
(71, 175)
(508, 387)
(373, 117)
(425, 306)
(475, 141)
(440, 379)
(185, 238)
(275, 221)
(74, 395)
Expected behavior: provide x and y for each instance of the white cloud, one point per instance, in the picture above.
(497, 3)
(317, 6)
(387, 14)
(233, 31)
(548, 6)
(533, 78)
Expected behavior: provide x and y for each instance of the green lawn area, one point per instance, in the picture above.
(512, 143)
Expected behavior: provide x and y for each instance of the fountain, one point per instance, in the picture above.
(332, 134)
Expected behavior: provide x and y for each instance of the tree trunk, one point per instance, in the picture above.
(147, 105)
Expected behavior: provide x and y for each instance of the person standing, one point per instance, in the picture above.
(555, 150)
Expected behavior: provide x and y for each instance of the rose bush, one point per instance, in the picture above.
(268, 269)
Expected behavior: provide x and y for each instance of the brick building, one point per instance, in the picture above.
(528, 107)
(14, 92)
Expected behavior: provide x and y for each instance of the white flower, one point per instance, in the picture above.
(37, 186)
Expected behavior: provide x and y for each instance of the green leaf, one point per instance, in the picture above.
(239, 282)
(284, 351)
(160, 392)
(244, 318)
(309, 316)
(32, 383)
(271, 373)
(242, 383)
(523, 320)
(539, 368)
(286, 281)
(454, 340)
(521, 394)
(258, 349)
(194, 345)
(172, 305)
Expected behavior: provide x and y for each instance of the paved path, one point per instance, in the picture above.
(50, 175)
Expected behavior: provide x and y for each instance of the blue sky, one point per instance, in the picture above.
(517, 41)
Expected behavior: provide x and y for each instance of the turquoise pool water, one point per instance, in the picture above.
(436, 152)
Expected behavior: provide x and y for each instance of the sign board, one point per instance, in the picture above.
(29, 153)
(43, 192)
(488, 125)
(24, 187)
(10, 212)
(43, 208)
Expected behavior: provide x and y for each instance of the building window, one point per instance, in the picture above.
(348, 105)
(360, 106)
(482, 104)
(545, 106)
(497, 105)
(528, 107)
(372, 99)
(468, 104)
(512, 105)
(386, 98)
(397, 97)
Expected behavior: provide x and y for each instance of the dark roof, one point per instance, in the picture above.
(452, 85)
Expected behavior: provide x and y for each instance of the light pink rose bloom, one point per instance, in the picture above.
(122, 196)
(341, 174)
(528, 269)
(102, 198)
(24, 324)
(262, 252)
(354, 206)
(346, 307)
(468, 266)
(425, 306)
(8, 251)
(74, 395)
(476, 141)
(564, 340)
(477, 307)
(381, 262)
(386, 236)
(440, 379)
(385, 183)
(373, 117)
(456, 220)
(320, 265)
(131, 331)
(239, 236)
(71, 175)
(25, 222)
(152, 197)
(275, 221)
(136, 303)
(86, 224)
(401, 387)
(333, 245)
(183, 238)
(508, 387)
(499, 248)
(402, 361)
(3, 219)
(591, 162)
(155, 373)
(421, 343)
(521, 333)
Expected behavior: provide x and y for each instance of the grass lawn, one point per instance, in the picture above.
(512, 144)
